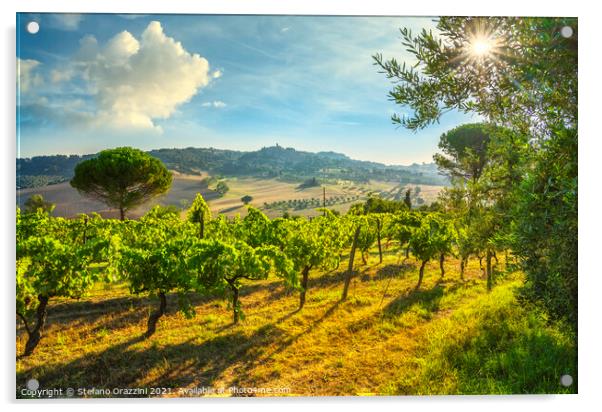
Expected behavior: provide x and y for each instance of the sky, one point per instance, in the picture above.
(88, 82)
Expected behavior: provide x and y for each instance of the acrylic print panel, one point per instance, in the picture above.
(217, 205)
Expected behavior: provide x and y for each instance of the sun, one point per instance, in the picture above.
(481, 46)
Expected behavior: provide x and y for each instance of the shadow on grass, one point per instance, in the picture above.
(117, 312)
(128, 365)
(391, 271)
(428, 298)
(326, 280)
(230, 209)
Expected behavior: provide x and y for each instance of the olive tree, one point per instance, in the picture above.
(528, 84)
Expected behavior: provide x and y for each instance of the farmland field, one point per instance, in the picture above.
(69, 202)
(385, 339)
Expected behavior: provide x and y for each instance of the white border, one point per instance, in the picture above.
(589, 170)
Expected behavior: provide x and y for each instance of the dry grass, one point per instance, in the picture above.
(271, 190)
(360, 346)
(184, 188)
(70, 203)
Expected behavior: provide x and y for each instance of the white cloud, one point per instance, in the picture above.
(26, 76)
(120, 48)
(218, 104)
(58, 75)
(136, 81)
(216, 74)
(65, 21)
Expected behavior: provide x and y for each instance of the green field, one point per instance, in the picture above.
(450, 337)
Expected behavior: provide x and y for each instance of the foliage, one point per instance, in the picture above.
(122, 178)
(369, 231)
(56, 258)
(528, 84)
(199, 213)
(407, 200)
(36, 202)
(311, 182)
(221, 187)
(465, 149)
(246, 199)
(546, 227)
(401, 227)
(433, 237)
(220, 266)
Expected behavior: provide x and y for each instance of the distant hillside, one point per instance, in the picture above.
(286, 164)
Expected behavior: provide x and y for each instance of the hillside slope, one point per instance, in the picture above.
(269, 162)
(450, 337)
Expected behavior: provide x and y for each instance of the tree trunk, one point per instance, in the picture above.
(380, 250)
(363, 254)
(154, 317)
(304, 281)
(350, 267)
(489, 273)
(408, 252)
(202, 227)
(34, 336)
(421, 275)
(481, 263)
(121, 213)
(462, 265)
(441, 261)
(85, 229)
(235, 304)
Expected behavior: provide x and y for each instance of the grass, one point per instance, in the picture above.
(450, 337)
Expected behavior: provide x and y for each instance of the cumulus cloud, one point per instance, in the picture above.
(218, 104)
(136, 81)
(216, 74)
(27, 77)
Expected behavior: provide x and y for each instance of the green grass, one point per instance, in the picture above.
(492, 344)
(450, 337)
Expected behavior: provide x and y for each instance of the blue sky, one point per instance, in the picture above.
(89, 82)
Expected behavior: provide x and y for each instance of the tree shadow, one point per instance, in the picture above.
(283, 344)
(128, 365)
(390, 271)
(326, 280)
(118, 312)
(230, 209)
(428, 298)
(113, 313)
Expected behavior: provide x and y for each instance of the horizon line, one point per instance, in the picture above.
(231, 150)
